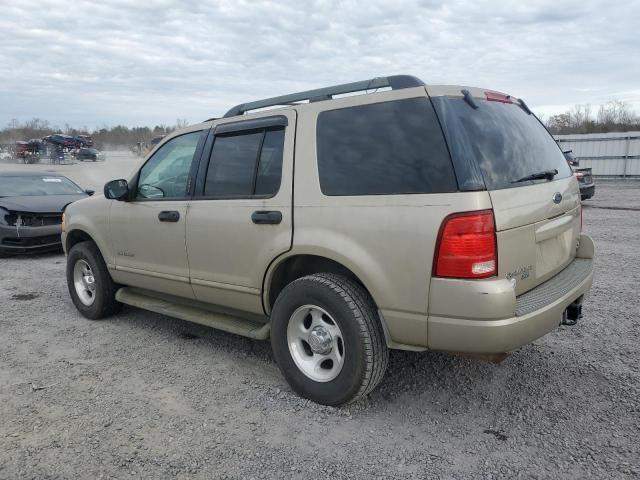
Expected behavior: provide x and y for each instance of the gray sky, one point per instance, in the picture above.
(146, 63)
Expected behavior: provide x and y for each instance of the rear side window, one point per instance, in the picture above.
(383, 148)
(246, 164)
(507, 143)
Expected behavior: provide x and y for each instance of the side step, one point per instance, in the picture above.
(190, 311)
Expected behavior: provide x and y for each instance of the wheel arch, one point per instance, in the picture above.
(295, 265)
(290, 268)
(77, 235)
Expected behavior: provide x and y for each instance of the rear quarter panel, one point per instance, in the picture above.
(388, 241)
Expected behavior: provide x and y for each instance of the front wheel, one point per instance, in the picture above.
(90, 285)
(327, 339)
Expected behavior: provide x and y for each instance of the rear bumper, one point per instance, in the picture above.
(489, 318)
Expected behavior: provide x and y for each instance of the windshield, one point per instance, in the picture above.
(507, 143)
(36, 185)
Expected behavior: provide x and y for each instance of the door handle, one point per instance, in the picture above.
(169, 216)
(262, 217)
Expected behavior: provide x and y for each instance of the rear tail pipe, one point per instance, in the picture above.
(573, 313)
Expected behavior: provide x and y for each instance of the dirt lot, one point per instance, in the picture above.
(142, 395)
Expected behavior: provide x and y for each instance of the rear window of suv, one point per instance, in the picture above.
(383, 148)
(506, 142)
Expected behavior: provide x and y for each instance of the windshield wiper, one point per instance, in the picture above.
(544, 175)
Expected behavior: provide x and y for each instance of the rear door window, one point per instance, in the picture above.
(507, 143)
(233, 163)
(245, 164)
(383, 148)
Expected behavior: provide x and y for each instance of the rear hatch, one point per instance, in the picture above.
(537, 219)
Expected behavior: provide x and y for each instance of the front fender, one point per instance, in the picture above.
(91, 217)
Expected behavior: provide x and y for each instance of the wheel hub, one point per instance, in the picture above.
(85, 282)
(320, 340)
(316, 343)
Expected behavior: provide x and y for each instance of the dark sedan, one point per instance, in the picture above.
(89, 154)
(31, 206)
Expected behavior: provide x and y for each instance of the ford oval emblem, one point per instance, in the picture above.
(557, 197)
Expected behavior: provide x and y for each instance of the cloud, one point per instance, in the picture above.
(151, 62)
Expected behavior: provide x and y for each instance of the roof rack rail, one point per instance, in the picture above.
(396, 82)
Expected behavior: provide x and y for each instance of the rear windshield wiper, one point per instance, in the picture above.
(546, 175)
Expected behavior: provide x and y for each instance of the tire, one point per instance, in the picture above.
(90, 285)
(357, 345)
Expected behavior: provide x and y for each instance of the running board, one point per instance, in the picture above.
(186, 310)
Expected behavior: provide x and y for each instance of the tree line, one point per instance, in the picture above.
(614, 116)
(118, 136)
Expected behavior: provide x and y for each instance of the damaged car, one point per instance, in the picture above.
(31, 207)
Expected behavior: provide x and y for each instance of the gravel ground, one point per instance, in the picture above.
(143, 395)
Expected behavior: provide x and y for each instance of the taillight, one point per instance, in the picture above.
(466, 246)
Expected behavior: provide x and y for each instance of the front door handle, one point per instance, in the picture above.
(169, 216)
(262, 217)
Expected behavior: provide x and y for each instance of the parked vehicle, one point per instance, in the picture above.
(30, 151)
(419, 217)
(31, 206)
(584, 176)
(89, 154)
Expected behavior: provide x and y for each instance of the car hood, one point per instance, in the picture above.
(39, 204)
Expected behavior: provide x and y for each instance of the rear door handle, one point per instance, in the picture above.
(265, 217)
(169, 216)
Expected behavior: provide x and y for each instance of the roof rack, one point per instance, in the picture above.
(395, 82)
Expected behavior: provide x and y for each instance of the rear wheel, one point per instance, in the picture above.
(327, 339)
(90, 285)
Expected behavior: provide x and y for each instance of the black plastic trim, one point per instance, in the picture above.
(253, 124)
(395, 82)
(469, 99)
(266, 217)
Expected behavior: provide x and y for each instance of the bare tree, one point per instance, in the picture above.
(615, 115)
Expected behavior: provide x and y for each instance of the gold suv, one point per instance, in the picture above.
(341, 225)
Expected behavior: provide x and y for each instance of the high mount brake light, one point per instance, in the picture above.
(498, 97)
(467, 246)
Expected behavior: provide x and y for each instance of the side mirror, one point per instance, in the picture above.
(89, 192)
(116, 190)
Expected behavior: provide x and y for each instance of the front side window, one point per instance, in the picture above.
(166, 174)
(383, 148)
(245, 164)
